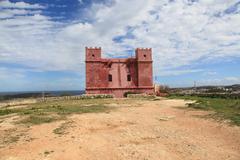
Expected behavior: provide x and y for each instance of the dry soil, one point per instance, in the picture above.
(155, 130)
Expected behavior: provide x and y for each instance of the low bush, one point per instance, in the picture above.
(80, 97)
(141, 96)
(130, 92)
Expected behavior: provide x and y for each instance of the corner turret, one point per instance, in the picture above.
(93, 54)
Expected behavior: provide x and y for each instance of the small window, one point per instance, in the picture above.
(145, 55)
(110, 78)
(128, 77)
(93, 55)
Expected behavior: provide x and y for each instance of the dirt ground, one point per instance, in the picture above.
(156, 130)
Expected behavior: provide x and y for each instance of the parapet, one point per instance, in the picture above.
(141, 54)
(143, 49)
(144, 54)
(93, 53)
(93, 48)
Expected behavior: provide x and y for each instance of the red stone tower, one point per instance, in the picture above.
(117, 76)
(144, 61)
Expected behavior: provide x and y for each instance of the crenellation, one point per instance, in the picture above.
(93, 48)
(143, 49)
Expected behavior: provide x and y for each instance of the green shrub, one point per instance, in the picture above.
(129, 92)
(141, 96)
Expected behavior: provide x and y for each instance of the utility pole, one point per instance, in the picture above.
(43, 95)
(195, 85)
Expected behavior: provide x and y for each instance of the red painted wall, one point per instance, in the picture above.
(98, 70)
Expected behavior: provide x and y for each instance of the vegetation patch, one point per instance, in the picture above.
(46, 112)
(10, 136)
(33, 119)
(81, 97)
(50, 111)
(63, 127)
(224, 108)
(140, 96)
(11, 139)
(6, 111)
(208, 95)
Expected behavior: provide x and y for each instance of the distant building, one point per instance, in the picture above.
(117, 76)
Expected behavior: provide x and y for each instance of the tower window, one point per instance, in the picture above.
(145, 55)
(93, 55)
(128, 77)
(110, 78)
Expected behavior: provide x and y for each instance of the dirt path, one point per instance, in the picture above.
(153, 131)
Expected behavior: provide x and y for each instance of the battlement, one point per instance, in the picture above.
(93, 53)
(93, 48)
(143, 49)
(143, 54)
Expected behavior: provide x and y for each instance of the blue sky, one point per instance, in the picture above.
(42, 42)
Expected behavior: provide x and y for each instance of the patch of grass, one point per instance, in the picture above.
(198, 105)
(49, 111)
(11, 139)
(224, 108)
(46, 112)
(6, 112)
(62, 128)
(33, 119)
(65, 110)
(10, 136)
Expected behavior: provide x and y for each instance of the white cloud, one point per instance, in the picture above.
(210, 73)
(19, 5)
(16, 12)
(80, 1)
(178, 72)
(6, 73)
(180, 34)
(219, 81)
(233, 79)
